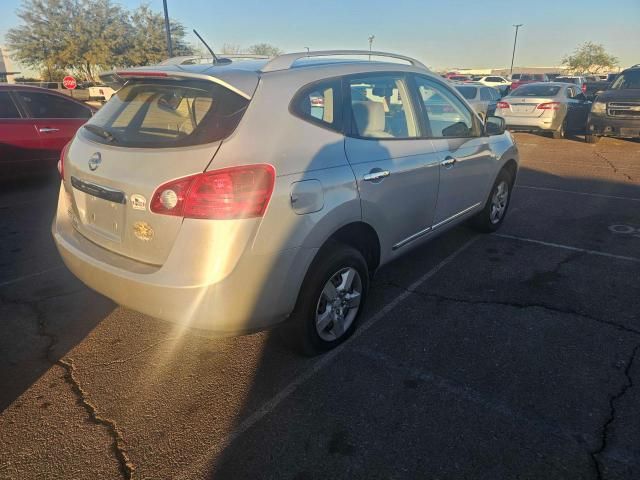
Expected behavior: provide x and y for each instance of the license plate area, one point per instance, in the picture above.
(104, 217)
(520, 108)
(630, 132)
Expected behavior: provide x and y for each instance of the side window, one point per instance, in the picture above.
(485, 94)
(7, 107)
(571, 93)
(381, 107)
(320, 103)
(447, 116)
(43, 105)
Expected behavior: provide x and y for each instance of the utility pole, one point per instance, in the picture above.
(168, 29)
(515, 40)
(371, 38)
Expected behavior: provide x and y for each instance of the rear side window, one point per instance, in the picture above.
(468, 92)
(485, 94)
(7, 107)
(167, 113)
(45, 105)
(320, 103)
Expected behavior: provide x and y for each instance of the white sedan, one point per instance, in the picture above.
(494, 81)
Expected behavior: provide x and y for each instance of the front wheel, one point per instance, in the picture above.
(495, 210)
(330, 301)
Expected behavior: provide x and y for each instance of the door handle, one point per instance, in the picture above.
(448, 162)
(377, 175)
(48, 130)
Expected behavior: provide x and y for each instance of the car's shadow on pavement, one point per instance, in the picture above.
(44, 310)
(369, 413)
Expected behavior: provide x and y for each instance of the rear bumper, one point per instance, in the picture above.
(613, 127)
(531, 124)
(257, 292)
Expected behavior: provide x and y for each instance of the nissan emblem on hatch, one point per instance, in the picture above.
(94, 161)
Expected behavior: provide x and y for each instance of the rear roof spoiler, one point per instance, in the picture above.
(243, 84)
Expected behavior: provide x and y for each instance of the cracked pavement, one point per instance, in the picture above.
(518, 359)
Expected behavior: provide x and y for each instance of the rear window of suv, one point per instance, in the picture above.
(167, 113)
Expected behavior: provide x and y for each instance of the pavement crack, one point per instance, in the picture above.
(41, 319)
(613, 167)
(126, 466)
(519, 305)
(119, 446)
(604, 436)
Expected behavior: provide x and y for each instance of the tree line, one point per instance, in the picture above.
(84, 37)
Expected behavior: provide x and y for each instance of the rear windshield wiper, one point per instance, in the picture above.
(101, 132)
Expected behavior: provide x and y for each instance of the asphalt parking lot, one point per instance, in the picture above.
(512, 355)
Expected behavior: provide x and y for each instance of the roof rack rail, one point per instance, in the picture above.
(286, 61)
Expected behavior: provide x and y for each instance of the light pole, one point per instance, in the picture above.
(371, 38)
(167, 28)
(514, 47)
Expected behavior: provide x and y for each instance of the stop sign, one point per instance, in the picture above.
(69, 82)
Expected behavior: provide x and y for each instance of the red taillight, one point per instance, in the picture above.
(237, 192)
(502, 105)
(549, 106)
(63, 154)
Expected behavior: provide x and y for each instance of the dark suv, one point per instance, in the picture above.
(616, 112)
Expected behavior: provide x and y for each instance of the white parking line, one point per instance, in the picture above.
(568, 247)
(600, 195)
(31, 275)
(324, 361)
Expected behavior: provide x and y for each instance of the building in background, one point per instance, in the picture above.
(6, 69)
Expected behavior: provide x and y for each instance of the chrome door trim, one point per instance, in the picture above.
(453, 217)
(411, 238)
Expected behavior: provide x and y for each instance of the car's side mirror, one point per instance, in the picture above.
(494, 125)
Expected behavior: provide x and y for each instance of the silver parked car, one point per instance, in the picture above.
(483, 99)
(240, 196)
(552, 107)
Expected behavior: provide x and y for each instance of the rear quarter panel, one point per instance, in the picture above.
(299, 150)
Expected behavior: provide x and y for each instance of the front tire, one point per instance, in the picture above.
(495, 210)
(330, 301)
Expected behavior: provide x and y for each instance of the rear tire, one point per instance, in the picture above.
(330, 301)
(591, 138)
(561, 132)
(495, 209)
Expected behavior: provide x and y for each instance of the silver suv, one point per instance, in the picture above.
(240, 196)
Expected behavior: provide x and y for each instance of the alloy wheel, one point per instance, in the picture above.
(338, 304)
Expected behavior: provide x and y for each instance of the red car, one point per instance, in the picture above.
(35, 123)
(523, 79)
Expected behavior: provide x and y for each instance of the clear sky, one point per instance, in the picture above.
(442, 33)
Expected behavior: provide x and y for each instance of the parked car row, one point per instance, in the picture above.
(562, 107)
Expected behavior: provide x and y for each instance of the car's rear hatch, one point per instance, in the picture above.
(154, 130)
